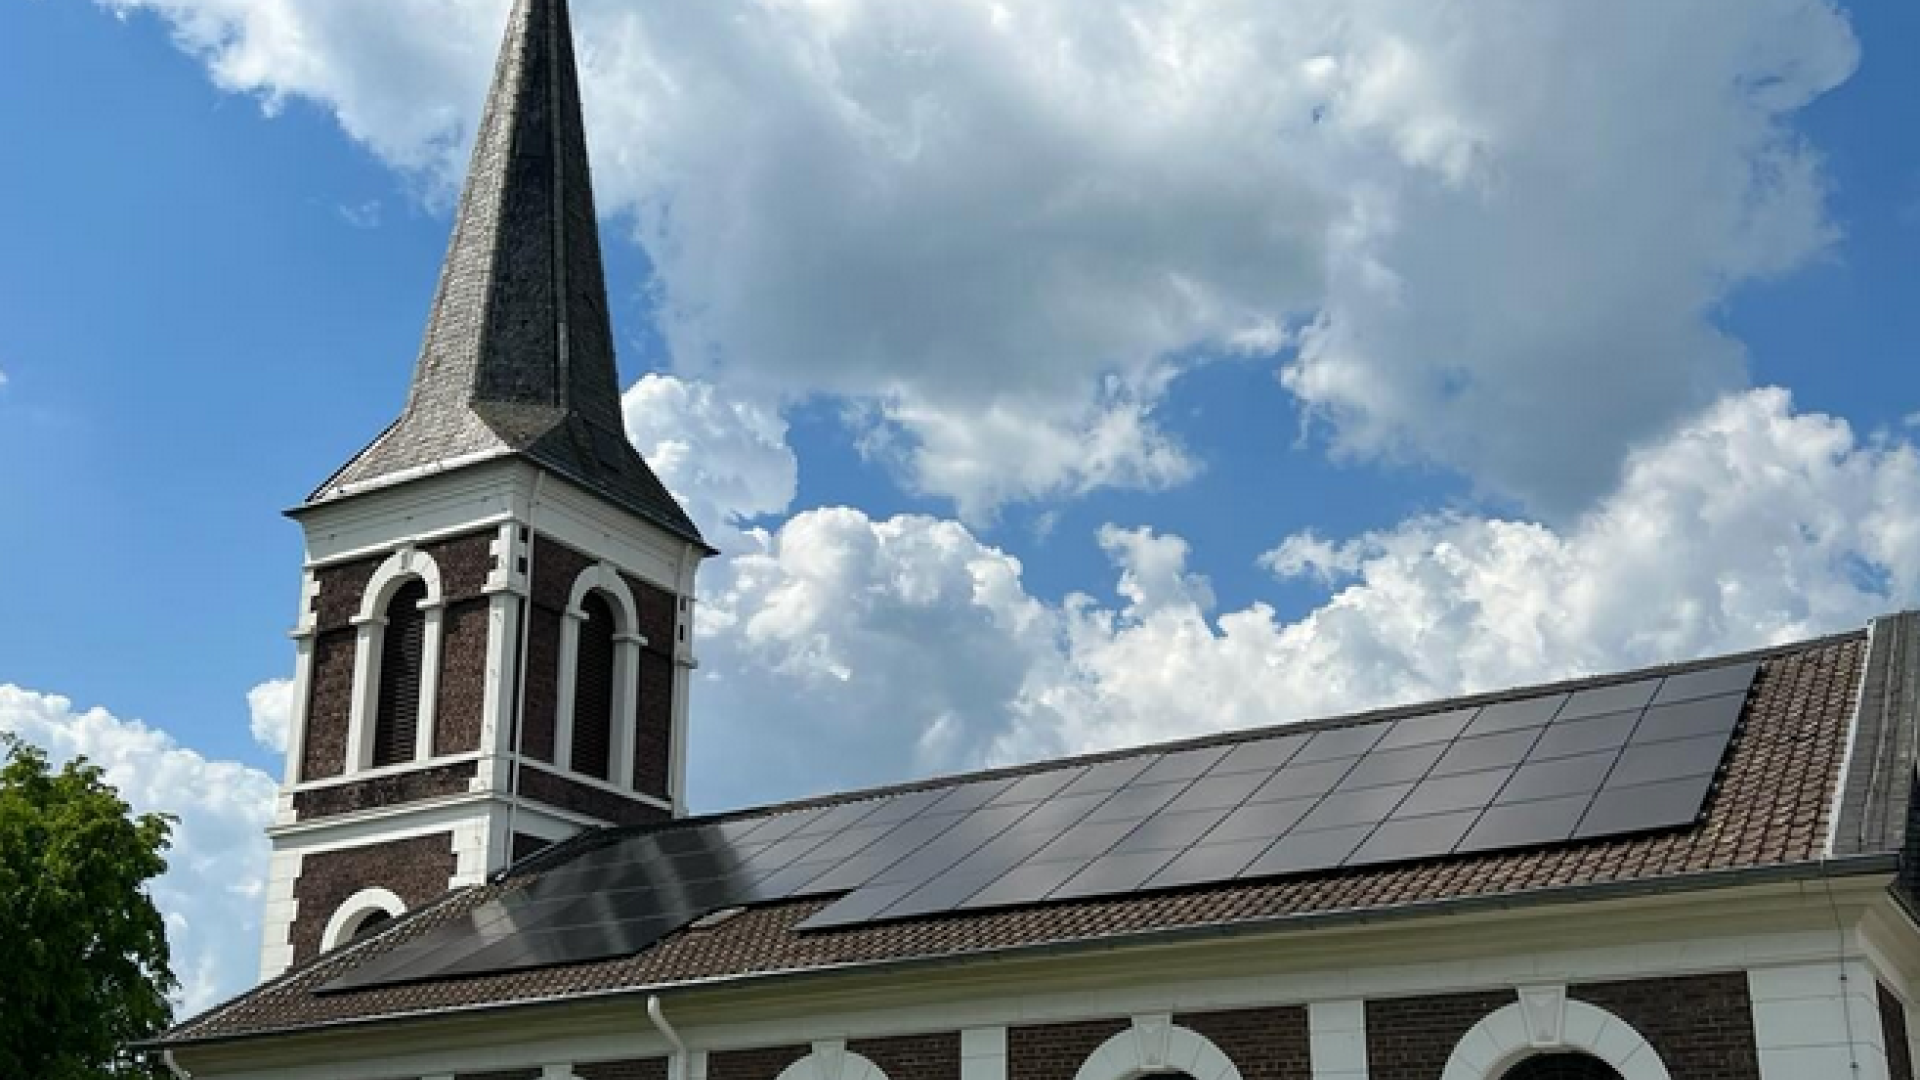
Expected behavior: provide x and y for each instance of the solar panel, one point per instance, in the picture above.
(1611, 760)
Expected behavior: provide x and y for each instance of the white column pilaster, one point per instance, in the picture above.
(430, 638)
(1337, 1032)
(1817, 1020)
(983, 1053)
(366, 688)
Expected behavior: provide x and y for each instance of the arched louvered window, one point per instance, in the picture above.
(593, 690)
(402, 663)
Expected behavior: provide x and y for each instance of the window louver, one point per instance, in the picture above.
(402, 661)
(593, 690)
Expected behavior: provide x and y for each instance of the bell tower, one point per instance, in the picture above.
(492, 639)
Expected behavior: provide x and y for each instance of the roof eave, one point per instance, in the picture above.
(1811, 870)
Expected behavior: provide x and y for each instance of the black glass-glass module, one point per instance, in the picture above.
(1618, 759)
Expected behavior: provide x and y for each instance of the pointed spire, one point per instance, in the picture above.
(518, 356)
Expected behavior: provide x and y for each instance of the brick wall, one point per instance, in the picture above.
(391, 790)
(416, 870)
(1893, 1027)
(464, 563)
(630, 1069)
(1411, 1038)
(329, 706)
(568, 794)
(1056, 1051)
(913, 1057)
(762, 1063)
(1702, 1025)
(461, 709)
(1264, 1044)
(653, 712)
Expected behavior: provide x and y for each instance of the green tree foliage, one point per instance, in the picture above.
(83, 951)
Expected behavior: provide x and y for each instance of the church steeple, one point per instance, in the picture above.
(518, 356)
(493, 648)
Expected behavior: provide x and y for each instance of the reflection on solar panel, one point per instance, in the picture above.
(1549, 768)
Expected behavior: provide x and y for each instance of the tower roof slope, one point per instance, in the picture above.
(518, 356)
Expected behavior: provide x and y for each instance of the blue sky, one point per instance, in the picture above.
(1333, 366)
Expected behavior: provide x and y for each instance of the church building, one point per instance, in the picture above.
(484, 867)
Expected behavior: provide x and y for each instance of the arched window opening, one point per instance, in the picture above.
(593, 689)
(402, 665)
(369, 924)
(1562, 1067)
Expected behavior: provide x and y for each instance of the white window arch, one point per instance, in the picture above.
(356, 912)
(605, 579)
(1155, 1044)
(1543, 1021)
(408, 564)
(831, 1060)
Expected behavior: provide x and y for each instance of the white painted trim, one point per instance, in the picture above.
(1156, 1044)
(831, 1060)
(384, 770)
(1547, 1023)
(1853, 735)
(297, 709)
(407, 563)
(1817, 1019)
(1337, 1039)
(346, 918)
(983, 1053)
(602, 577)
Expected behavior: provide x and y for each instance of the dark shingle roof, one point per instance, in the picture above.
(1770, 811)
(518, 356)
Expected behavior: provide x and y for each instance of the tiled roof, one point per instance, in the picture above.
(518, 357)
(1770, 811)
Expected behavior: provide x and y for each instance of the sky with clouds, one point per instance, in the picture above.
(1052, 376)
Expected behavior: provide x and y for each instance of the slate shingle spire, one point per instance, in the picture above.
(518, 356)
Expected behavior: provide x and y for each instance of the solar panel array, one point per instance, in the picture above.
(1602, 762)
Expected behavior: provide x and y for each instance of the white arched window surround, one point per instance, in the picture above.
(1155, 1044)
(627, 643)
(406, 564)
(831, 1060)
(1543, 1021)
(352, 914)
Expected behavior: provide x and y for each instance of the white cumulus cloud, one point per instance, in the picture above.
(214, 890)
(724, 456)
(270, 710)
(846, 649)
(1005, 230)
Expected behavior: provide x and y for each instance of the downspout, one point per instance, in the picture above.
(677, 1065)
(173, 1066)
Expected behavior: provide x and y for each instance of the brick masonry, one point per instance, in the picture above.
(1702, 1026)
(1264, 1044)
(391, 790)
(762, 1063)
(329, 706)
(1056, 1051)
(1893, 1027)
(416, 870)
(913, 1057)
(595, 802)
(463, 677)
(653, 722)
(464, 563)
(629, 1069)
(1411, 1038)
